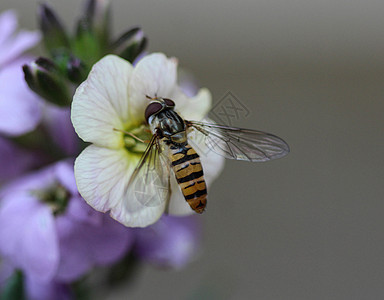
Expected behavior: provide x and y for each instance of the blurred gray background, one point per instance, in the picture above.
(311, 225)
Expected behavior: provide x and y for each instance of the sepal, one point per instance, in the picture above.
(130, 44)
(44, 78)
(97, 14)
(54, 35)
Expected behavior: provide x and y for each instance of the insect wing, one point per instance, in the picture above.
(149, 183)
(239, 143)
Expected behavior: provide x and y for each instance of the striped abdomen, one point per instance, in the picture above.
(190, 177)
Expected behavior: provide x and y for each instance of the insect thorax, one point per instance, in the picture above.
(170, 125)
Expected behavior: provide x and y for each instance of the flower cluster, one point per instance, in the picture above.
(51, 240)
(104, 103)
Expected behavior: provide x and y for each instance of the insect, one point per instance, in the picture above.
(169, 149)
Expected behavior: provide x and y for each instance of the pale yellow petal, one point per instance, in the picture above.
(101, 103)
(194, 108)
(102, 176)
(154, 75)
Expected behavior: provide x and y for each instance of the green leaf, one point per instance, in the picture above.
(14, 288)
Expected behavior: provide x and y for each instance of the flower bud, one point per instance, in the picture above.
(54, 34)
(130, 44)
(92, 34)
(86, 45)
(97, 13)
(76, 70)
(44, 78)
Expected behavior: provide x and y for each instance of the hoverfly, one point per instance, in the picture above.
(169, 149)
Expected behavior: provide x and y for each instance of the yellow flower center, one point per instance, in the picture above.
(136, 139)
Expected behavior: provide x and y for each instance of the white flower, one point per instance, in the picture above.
(114, 97)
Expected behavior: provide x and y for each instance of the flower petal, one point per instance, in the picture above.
(28, 227)
(66, 177)
(78, 210)
(170, 242)
(20, 108)
(110, 241)
(60, 128)
(40, 180)
(16, 45)
(85, 245)
(75, 259)
(102, 176)
(14, 160)
(187, 82)
(12, 45)
(8, 24)
(40, 233)
(212, 162)
(101, 104)
(154, 75)
(11, 206)
(36, 290)
(194, 108)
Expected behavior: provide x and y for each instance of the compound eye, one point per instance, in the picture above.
(152, 109)
(169, 102)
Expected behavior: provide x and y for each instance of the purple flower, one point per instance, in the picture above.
(14, 160)
(14, 44)
(50, 233)
(171, 242)
(20, 108)
(36, 290)
(60, 128)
